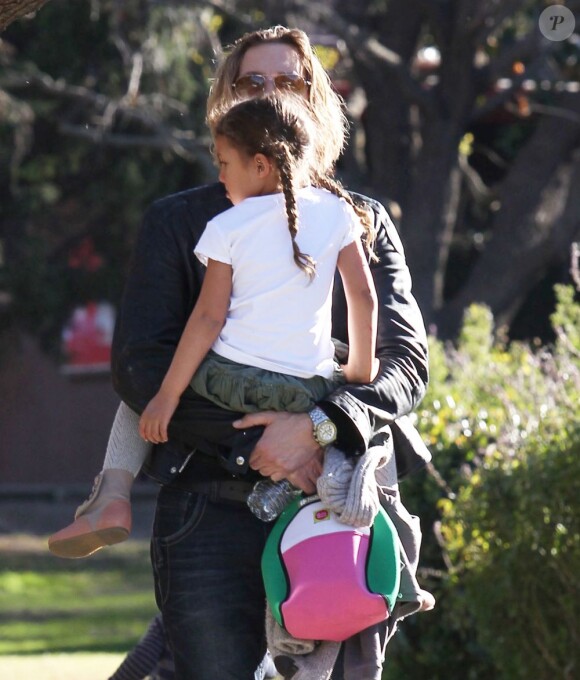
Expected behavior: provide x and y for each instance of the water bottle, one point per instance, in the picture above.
(267, 499)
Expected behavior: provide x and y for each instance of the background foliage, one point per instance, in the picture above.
(500, 507)
(465, 122)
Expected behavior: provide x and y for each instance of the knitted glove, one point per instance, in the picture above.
(333, 483)
(362, 500)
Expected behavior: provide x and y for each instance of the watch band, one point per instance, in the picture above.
(317, 416)
(324, 430)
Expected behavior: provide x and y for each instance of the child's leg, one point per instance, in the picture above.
(125, 448)
(105, 517)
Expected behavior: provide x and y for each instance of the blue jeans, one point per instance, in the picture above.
(208, 585)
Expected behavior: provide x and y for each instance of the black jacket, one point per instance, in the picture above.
(163, 283)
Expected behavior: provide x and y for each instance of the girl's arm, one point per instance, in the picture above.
(362, 305)
(201, 331)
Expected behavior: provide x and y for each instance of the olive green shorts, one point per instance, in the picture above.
(248, 389)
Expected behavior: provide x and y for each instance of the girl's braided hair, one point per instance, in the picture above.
(280, 128)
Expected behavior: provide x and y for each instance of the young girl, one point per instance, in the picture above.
(259, 336)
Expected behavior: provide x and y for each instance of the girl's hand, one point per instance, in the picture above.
(156, 416)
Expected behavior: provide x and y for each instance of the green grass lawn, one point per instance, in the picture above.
(50, 605)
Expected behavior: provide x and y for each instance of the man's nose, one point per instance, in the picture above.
(269, 86)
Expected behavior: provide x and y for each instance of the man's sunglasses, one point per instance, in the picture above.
(254, 84)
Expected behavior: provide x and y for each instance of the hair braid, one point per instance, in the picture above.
(282, 157)
(362, 212)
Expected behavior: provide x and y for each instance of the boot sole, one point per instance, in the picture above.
(87, 544)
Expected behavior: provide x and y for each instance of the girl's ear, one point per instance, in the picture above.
(263, 165)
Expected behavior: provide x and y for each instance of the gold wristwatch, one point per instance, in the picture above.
(324, 429)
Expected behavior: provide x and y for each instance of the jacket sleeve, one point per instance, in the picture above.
(162, 285)
(359, 410)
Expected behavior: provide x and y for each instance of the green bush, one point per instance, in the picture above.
(514, 538)
(499, 508)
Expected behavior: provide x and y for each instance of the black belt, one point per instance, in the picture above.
(235, 490)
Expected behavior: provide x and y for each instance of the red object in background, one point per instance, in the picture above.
(87, 338)
(84, 256)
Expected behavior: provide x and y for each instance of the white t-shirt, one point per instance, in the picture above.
(278, 318)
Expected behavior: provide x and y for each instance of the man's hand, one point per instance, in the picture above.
(287, 449)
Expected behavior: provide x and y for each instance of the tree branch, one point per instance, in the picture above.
(410, 87)
(11, 10)
(143, 109)
(194, 150)
(490, 15)
(99, 115)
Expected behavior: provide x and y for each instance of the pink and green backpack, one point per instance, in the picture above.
(326, 580)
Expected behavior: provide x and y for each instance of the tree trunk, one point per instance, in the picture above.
(423, 212)
(427, 220)
(386, 117)
(523, 243)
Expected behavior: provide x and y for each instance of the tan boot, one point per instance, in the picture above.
(103, 519)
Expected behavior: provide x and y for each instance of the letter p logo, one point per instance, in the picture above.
(557, 23)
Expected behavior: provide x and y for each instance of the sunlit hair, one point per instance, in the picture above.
(327, 107)
(281, 128)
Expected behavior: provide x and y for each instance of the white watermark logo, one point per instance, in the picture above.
(557, 23)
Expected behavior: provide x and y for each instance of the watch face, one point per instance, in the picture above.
(326, 432)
